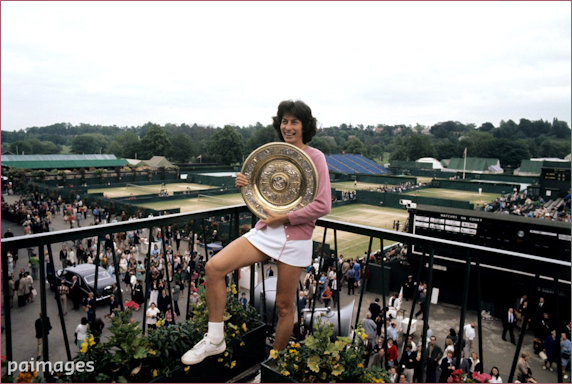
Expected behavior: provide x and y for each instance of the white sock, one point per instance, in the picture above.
(216, 332)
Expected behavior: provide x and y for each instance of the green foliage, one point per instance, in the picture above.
(89, 143)
(225, 146)
(319, 359)
(124, 145)
(154, 143)
(180, 143)
(130, 356)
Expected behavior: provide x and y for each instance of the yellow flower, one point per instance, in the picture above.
(363, 336)
(226, 354)
(91, 341)
(284, 372)
(295, 345)
(242, 344)
(244, 327)
(232, 364)
(152, 352)
(274, 354)
(83, 348)
(234, 291)
(155, 373)
(360, 365)
(187, 368)
(293, 351)
(220, 359)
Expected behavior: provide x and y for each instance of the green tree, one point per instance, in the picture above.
(325, 144)
(355, 146)
(125, 145)
(262, 135)
(89, 143)
(226, 146)
(154, 143)
(184, 149)
(418, 145)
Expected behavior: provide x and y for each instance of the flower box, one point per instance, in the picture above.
(269, 374)
(212, 371)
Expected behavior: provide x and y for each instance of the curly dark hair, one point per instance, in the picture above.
(301, 110)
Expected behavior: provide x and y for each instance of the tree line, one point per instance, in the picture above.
(510, 142)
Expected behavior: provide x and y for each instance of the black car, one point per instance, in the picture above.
(86, 277)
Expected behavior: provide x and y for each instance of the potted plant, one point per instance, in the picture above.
(320, 359)
(130, 356)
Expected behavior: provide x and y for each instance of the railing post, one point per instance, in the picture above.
(316, 279)
(521, 337)
(7, 302)
(362, 282)
(117, 279)
(205, 240)
(479, 309)
(96, 278)
(59, 304)
(338, 287)
(253, 268)
(169, 292)
(557, 317)
(44, 309)
(147, 279)
(383, 302)
(235, 229)
(190, 274)
(463, 309)
(414, 298)
(426, 317)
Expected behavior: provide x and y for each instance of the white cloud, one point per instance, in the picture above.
(216, 63)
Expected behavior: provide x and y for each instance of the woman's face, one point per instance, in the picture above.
(291, 129)
(495, 371)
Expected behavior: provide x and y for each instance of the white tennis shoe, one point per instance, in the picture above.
(202, 350)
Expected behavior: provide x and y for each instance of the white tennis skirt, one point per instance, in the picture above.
(273, 243)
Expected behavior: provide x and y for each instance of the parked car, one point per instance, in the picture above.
(86, 276)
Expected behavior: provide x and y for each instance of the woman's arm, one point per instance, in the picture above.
(322, 203)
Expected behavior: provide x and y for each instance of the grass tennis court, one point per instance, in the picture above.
(352, 245)
(136, 190)
(454, 194)
(196, 204)
(361, 186)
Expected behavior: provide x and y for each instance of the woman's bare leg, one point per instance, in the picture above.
(237, 254)
(288, 278)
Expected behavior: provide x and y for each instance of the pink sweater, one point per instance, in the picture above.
(303, 220)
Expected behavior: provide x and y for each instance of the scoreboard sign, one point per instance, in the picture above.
(537, 237)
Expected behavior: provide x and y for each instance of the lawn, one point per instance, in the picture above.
(136, 190)
(454, 194)
(352, 245)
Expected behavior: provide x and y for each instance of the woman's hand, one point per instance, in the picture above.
(273, 220)
(240, 180)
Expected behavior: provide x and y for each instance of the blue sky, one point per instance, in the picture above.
(217, 63)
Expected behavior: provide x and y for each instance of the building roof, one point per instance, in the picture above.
(62, 161)
(436, 164)
(159, 162)
(475, 164)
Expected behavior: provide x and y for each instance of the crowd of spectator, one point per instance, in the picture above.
(523, 204)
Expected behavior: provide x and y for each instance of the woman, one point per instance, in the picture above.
(495, 376)
(523, 371)
(477, 365)
(151, 316)
(287, 238)
(81, 331)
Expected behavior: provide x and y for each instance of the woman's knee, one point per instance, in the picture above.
(284, 307)
(213, 270)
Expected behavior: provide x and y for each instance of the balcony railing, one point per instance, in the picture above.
(426, 250)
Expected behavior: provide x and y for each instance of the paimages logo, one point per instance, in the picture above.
(66, 367)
